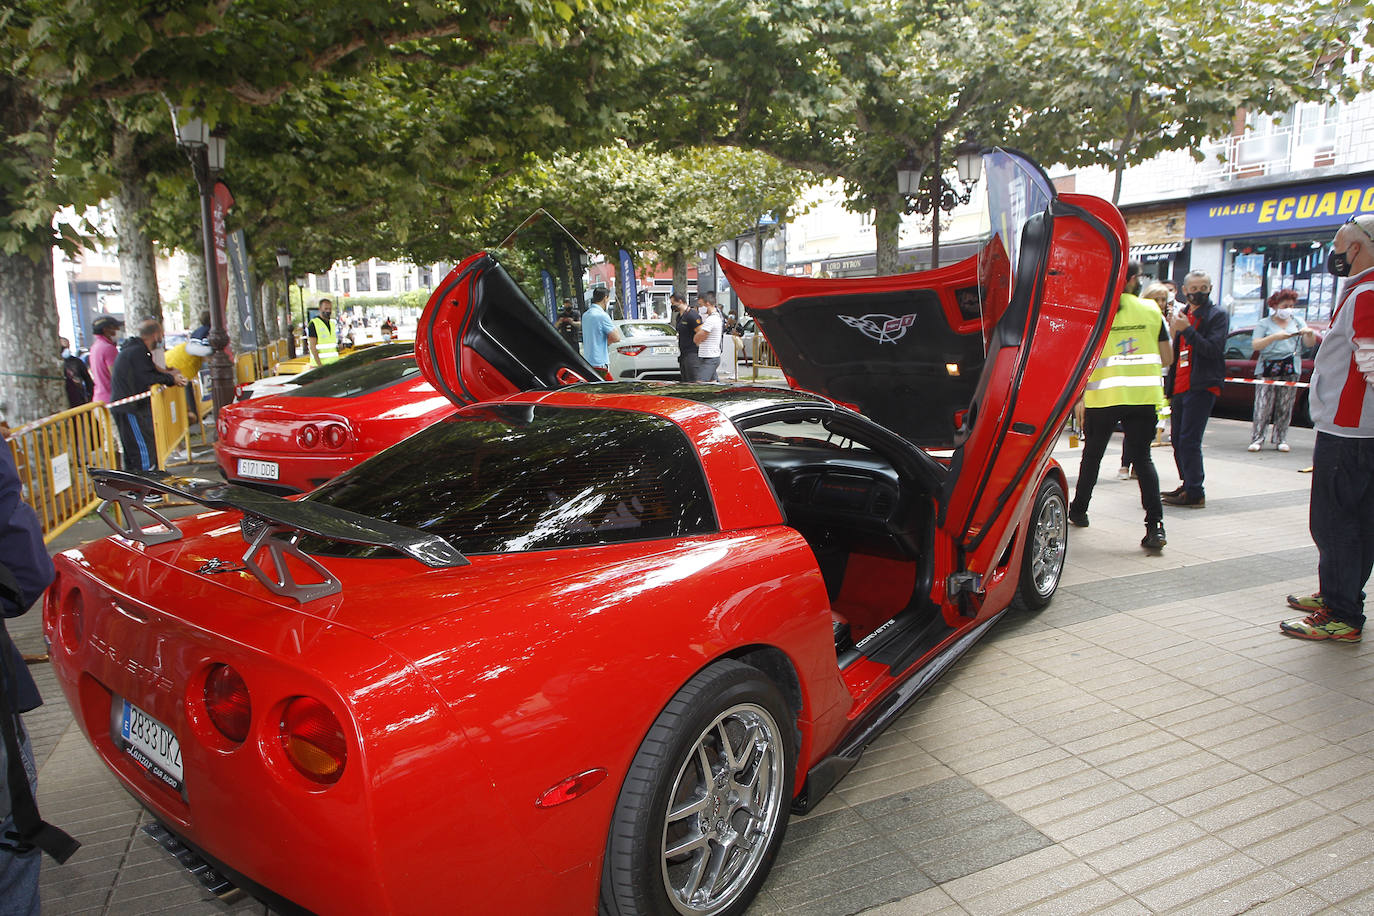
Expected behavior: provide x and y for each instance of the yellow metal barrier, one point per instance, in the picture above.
(53, 455)
(246, 368)
(205, 406)
(171, 424)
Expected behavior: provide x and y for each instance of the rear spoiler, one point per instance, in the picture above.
(269, 522)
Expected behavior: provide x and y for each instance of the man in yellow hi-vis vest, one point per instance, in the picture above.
(1125, 388)
(322, 335)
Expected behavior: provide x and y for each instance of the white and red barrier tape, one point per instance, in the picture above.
(1267, 381)
(129, 400)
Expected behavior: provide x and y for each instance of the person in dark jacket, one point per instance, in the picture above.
(80, 385)
(25, 571)
(1194, 383)
(134, 373)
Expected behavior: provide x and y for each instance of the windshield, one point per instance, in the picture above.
(351, 361)
(518, 477)
(633, 329)
(358, 380)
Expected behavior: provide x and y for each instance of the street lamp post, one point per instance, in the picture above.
(968, 158)
(205, 149)
(284, 262)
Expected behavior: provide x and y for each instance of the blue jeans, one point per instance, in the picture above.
(1188, 421)
(1341, 519)
(18, 873)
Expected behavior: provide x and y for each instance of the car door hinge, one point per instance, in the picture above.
(965, 588)
(964, 581)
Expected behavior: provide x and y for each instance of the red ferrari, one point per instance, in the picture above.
(295, 441)
(581, 646)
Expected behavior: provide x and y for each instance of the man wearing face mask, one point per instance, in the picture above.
(103, 353)
(1341, 401)
(1194, 383)
(1124, 388)
(134, 373)
(77, 376)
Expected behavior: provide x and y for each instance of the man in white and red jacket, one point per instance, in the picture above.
(1341, 402)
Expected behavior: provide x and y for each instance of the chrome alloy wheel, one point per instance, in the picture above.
(726, 803)
(1048, 543)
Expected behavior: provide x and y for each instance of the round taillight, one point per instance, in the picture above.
(334, 435)
(308, 436)
(227, 703)
(313, 740)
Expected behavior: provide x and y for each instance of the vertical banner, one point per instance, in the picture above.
(220, 205)
(244, 288)
(550, 296)
(630, 307)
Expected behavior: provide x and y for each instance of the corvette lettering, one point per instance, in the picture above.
(882, 328)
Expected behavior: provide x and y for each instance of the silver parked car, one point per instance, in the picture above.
(647, 350)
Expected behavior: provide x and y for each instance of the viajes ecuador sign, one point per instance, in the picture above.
(1292, 208)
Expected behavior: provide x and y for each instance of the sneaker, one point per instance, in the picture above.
(153, 499)
(1185, 499)
(1320, 625)
(1123, 474)
(1309, 603)
(1154, 536)
(1078, 518)
(1283, 447)
(1254, 446)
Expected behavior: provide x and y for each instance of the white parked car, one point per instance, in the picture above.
(647, 351)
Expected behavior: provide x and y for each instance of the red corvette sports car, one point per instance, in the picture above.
(584, 646)
(295, 441)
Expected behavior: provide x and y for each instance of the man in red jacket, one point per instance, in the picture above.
(1341, 401)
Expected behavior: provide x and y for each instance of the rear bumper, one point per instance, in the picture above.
(296, 473)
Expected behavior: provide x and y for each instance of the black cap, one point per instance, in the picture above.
(105, 321)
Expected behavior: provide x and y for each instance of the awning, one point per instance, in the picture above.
(1155, 252)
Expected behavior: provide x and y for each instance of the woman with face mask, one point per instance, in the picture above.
(1279, 338)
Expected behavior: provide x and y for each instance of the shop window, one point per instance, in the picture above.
(1256, 268)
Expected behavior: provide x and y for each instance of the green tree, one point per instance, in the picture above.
(1161, 75)
(222, 58)
(661, 206)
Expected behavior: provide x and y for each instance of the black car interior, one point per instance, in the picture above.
(868, 524)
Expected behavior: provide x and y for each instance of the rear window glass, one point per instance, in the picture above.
(352, 361)
(522, 477)
(359, 380)
(630, 331)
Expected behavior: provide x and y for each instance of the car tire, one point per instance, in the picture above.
(1047, 541)
(731, 824)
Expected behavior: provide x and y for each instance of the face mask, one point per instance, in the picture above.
(1199, 298)
(1338, 263)
(1283, 314)
(66, 352)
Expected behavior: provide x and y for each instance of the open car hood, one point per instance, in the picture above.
(984, 357)
(480, 337)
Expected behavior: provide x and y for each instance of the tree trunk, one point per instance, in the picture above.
(137, 266)
(887, 221)
(680, 273)
(197, 293)
(1123, 148)
(31, 380)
